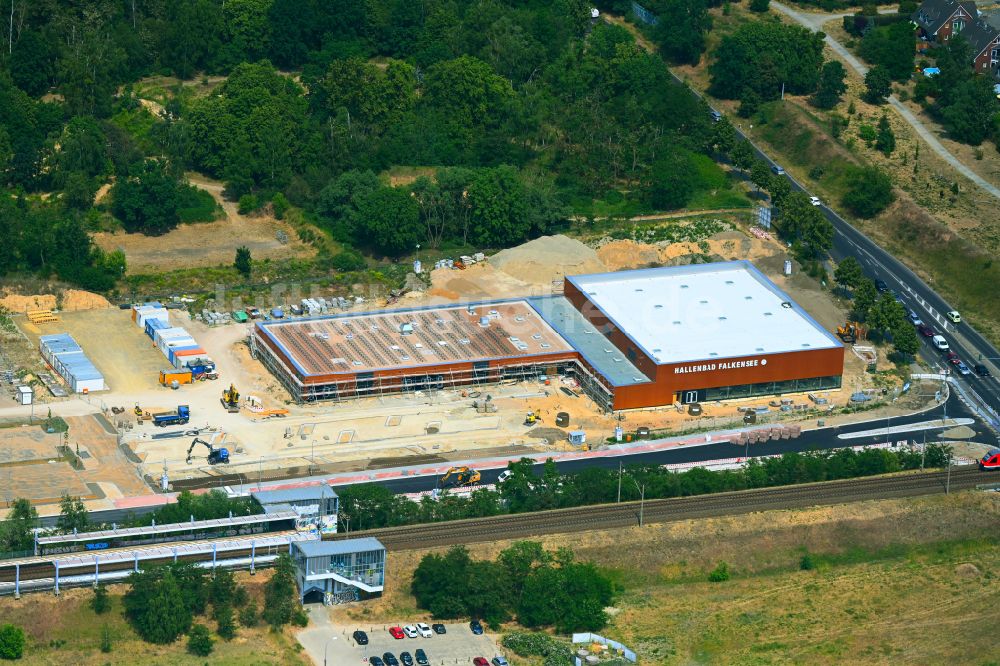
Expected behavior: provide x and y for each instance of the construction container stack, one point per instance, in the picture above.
(152, 310)
(66, 357)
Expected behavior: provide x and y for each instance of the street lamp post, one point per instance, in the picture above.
(642, 499)
(326, 646)
(619, 481)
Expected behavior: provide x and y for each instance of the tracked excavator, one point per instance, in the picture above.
(215, 456)
(458, 477)
(231, 399)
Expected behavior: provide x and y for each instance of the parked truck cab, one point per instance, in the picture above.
(991, 460)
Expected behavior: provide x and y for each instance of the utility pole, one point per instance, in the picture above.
(947, 485)
(619, 481)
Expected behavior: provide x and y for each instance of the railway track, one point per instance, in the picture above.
(625, 514)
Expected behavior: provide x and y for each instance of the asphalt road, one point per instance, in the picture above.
(823, 438)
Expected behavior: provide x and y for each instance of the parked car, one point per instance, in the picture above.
(390, 659)
(778, 171)
(926, 331)
(504, 475)
(915, 319)
(981, 370)
(963, 368)
(410, 631)
(375, 661)
(396, 632)
(360, 637)
(424, 630)
(716, 116)
(439, 629)
(500, 661)
(480, 661)
(406, 658)
(815, 201)
(954, 317)
(881, 286)
(421, 657)
(477, 627)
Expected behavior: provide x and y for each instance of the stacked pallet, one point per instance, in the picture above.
(41, 316)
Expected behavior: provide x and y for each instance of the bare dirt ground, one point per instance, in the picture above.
(206, 243)
(902, 600)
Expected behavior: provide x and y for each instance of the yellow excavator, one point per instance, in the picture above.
(458, 477)
(532, 418)
(231, 399)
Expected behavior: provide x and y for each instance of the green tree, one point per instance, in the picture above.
(885, 315)
(885, 142)
(759, 6)
(720, 573)
(878, 85)
(388, 221)
(831, 85)
(905, 340)
(199, 639)
(100, 602)
(467, 92)
(243, 262)
(372, 95)
(147, 201)
(972, 116)
(682, 39)
(78, 192)
(280, 596)
(11, 642)
(869, 192)
(671, 181)
(892, 47)
(760, 175)
(107, 639)
(73, 515)
(865, 297)
(761, 56)
(226, 625)
(33, 62)
(810, 231)
(191, 36)
(155, 606)
(723, 136)
(16, 531)
(248, 615)
(499, 208)
(743, 155)
(849, 272)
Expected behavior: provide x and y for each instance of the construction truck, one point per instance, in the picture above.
(459, 477)
(532, 418)
(215, 456)
(179, 416)
(851, 332)
(231, 399)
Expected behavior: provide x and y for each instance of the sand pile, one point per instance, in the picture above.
(72, 299)
(622, 254)
(76, 299)
(18, 303)
(546, 259)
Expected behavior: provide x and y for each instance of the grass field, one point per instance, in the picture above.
(892, 581)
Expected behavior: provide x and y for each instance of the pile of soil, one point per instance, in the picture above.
(19, 303)
(76, 299)
(548, 258)
(624, 254)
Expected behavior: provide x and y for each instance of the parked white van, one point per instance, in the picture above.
(940, 343)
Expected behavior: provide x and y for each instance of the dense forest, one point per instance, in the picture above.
(522, 107)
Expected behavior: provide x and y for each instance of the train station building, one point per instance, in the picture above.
(339, 571)
(632, 339)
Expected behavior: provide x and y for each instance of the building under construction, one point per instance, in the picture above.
(632, 339)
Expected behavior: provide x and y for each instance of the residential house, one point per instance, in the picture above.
(940, 20)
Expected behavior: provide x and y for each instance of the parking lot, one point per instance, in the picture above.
(457, 647)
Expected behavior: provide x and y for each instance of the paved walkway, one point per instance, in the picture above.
(815, 21)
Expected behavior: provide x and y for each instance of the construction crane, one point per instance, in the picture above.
(231, 399)
(215, 456)
(458, 477)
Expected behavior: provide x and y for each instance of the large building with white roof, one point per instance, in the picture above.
(633, 339)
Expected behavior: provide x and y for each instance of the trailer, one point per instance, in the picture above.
(168, 377)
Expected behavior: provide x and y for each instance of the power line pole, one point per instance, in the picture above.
(619, 481)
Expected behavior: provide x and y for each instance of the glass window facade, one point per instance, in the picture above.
(366, 567)
(773, 388)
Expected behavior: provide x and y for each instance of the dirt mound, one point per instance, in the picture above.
(967, 570)
(623, 254)
(19, 303)
(76, 299)
(548, 258)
